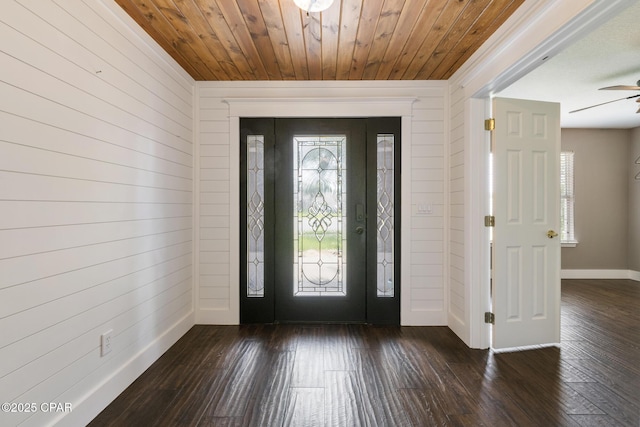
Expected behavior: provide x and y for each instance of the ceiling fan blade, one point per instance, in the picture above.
(620, 87)
(604, 103)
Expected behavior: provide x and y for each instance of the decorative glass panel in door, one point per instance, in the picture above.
(319, 215)
(385, 215)
(255, 216)
(256, 222)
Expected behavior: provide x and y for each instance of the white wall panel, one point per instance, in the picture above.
(26, 323)
(37, 135)
(44, 187)
(38, 109)
(27, 160)
(132, 62)
(29, 241)
(96, 213)
(51, 289)
(30, 213)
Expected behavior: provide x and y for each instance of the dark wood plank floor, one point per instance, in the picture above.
(358, 375)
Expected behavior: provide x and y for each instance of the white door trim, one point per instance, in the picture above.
(319, 107)
(477, 250)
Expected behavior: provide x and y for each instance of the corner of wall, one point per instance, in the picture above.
(86, 408)
(633, 252)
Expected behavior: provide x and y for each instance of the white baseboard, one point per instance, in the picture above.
(524, 348)
(422, 317)
(103, 394)
(208, 316)
(600, 274)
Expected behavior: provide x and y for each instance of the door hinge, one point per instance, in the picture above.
(489, 318)
(489, 221)
(489, 124)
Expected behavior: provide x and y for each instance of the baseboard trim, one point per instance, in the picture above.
(423, 318)
(104, 393)
(600, 274)
(209, 316)
(524, 348)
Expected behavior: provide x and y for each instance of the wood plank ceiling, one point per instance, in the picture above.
(352, 40)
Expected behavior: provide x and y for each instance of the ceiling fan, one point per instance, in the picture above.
(617, 87)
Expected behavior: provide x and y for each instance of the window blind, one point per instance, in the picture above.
(567, 197)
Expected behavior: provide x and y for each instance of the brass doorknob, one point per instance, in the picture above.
(551, 234)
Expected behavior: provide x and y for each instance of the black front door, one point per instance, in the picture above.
(320, 220)
(320, 238)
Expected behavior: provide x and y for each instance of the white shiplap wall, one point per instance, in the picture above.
(456, 309)
(96, 165)
(424, 148)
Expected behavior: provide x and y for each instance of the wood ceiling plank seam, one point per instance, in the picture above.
(257, 27)
(159, 36)
(291, 16)
(330, 19)
(349, 22)
(249, 53)
(160, 22)
(500, 19)
(465, 21)
(214, 16)
(274, 24)
(463, 43)
(409, 17)
(369, 19)
(390, 15)
(185, 33)
(442, 25)
(312, 30)
(189, 34)
(419, 34)
(209, 38)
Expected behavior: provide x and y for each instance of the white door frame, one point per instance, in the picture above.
(320, 107)
(539, 16)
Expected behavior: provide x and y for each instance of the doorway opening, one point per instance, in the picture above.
(320, 220)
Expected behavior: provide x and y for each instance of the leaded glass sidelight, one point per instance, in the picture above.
(319, 215)
(255, 216)
(385, 219)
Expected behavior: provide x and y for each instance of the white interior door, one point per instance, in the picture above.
(526, 257)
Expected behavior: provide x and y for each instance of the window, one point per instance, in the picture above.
(567, 199)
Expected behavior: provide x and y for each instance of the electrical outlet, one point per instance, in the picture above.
(105, 343)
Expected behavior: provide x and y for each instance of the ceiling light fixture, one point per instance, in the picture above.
(313, 5)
